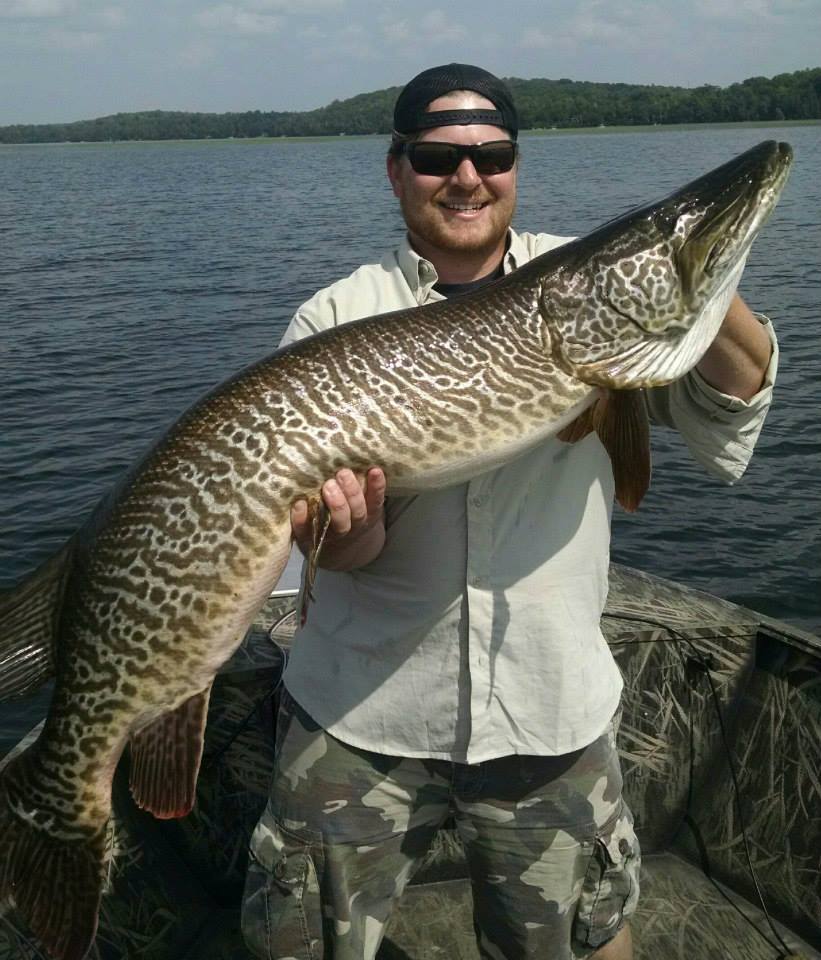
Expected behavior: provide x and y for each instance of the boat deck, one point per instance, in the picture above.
(175, 886)
(681, 916)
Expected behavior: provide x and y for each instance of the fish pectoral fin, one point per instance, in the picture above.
(165, 759)
(319, 516)
(29, 614)
(56, 884)
(623, 427)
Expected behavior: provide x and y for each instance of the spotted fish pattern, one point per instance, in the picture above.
(141, 608)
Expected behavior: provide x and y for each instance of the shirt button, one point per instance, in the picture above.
(476, 581)
(477, 501)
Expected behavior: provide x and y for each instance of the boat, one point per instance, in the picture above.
(720, 742)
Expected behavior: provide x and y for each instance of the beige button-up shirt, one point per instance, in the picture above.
(475, 633)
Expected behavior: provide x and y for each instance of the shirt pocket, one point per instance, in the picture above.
(281, 908)
(610, 890)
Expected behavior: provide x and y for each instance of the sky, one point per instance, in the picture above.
(63, 60)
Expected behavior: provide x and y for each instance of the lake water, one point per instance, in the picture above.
(135, 276)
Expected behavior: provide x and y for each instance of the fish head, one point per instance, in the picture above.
(641, 299)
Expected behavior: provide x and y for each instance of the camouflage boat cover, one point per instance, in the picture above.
(174, 887)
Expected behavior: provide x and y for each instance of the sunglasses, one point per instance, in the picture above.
(442, 159)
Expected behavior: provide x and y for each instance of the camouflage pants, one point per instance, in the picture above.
(549, 843)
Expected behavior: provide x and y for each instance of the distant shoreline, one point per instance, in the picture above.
(536, 132)
(542, 104)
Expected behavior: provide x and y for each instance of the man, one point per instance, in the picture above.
(452, 664)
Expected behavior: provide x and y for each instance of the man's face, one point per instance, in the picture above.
(463, 212)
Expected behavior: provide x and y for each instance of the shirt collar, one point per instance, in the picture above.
(517, 255)
(420, 274)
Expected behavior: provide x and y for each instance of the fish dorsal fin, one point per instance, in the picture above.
(623, 427)
(30, 614)
(165, 759)
(60, 898)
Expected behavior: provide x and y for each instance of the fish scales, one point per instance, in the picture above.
(402, 396)
(164, 611)
(156, 591)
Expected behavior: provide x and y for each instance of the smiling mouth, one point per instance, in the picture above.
(461, 207)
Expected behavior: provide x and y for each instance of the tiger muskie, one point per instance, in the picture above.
(135, 615)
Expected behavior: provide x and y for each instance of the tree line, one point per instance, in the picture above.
(541, 103)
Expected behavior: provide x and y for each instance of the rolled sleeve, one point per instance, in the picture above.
(720, 430)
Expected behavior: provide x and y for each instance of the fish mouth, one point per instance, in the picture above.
(728, 207)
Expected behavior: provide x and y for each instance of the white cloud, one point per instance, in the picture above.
(748, 11)
(59, 25)
(598, 25)
(414, 37)
(387, 38)
(59, 38)
(250, 17)
(535, 38)
(234, 18)
(52, 34)
(111, 17)
(352, 43)
(84, 22)
(437, 27)
(304, 7)
(196, 53)
(78, 39)
(398, 33)
(34, 9)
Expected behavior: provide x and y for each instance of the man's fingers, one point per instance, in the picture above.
(299, 518)
(337, 503)
(351, 485)
(352, 499)
(375, 490)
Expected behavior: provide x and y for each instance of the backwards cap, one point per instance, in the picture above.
(410, 113)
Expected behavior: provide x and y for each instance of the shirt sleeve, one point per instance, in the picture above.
(369, 290)
(306, 322)
(720, 430)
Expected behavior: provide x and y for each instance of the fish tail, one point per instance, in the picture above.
(56, 884)
(29, 616)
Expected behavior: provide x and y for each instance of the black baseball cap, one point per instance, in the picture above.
(410, 113)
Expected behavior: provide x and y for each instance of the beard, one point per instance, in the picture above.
(431, 224)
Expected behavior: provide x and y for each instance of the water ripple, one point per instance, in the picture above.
(135, 277)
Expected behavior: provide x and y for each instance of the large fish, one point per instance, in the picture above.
(138, 611)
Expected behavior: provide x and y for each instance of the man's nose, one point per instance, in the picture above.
(465, 174)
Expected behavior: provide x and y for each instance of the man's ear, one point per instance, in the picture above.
(392, 164)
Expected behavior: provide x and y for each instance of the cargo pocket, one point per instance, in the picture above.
(610, 890)
(281, 908)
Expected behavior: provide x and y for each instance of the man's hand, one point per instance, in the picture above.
(356, 533)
